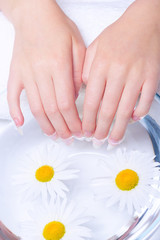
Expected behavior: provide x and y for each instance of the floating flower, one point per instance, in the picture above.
(43, 172)
(55, 221)
(131, 177)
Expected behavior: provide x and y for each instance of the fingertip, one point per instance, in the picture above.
(13, 96)
(16, 113)
(114, 141)
(19, 121)
(84, 78)
(135, 117)
(139, 114)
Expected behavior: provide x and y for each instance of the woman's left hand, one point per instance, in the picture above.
(121, 63)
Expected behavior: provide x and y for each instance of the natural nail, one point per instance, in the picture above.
(68, 141)
(54, 136)
(17, 122)
(97, 143)
(110, 147)
(136, 118)
(78, 134)
(87, 134)
(20, 130)
(114, 142)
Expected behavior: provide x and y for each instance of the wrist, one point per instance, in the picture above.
(17, 10)
(144, 12)
(152, 5)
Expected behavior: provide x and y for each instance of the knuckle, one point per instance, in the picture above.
(59, 62)
(40, 64)
(118, 67)
(36, 111)
(65, 106)
(51, 111)
(107, 114)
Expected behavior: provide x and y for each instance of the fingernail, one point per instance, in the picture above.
(20, 130)
(68, 141)
(78, 134)
(110, 147)
(97, 143)
(114, 142)
(54, 136)
(87, 134)
(136, 118)
(17, 122)
(18, 125)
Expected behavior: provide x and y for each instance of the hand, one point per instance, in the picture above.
(47, 62)
(121, 63)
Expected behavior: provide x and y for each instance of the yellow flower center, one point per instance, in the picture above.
(44, 173)
(127, 179)
(54, 231)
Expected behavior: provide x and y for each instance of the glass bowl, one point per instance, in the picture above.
(141, 226)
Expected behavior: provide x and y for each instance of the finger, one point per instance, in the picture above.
(93, 97)
(146, 98)
(13, 95)
(90, 54)
(78, 54)
(125, 110)
(65, 93)
(49, 102)
(109, 107)
(37, 108)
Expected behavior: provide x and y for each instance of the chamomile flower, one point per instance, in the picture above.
(43, 172)
(58, 220)
(131, 180)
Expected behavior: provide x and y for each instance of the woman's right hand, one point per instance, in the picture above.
(47, 62)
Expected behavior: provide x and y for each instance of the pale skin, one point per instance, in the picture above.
(121, 63)
(50, 60)
(47, 62)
